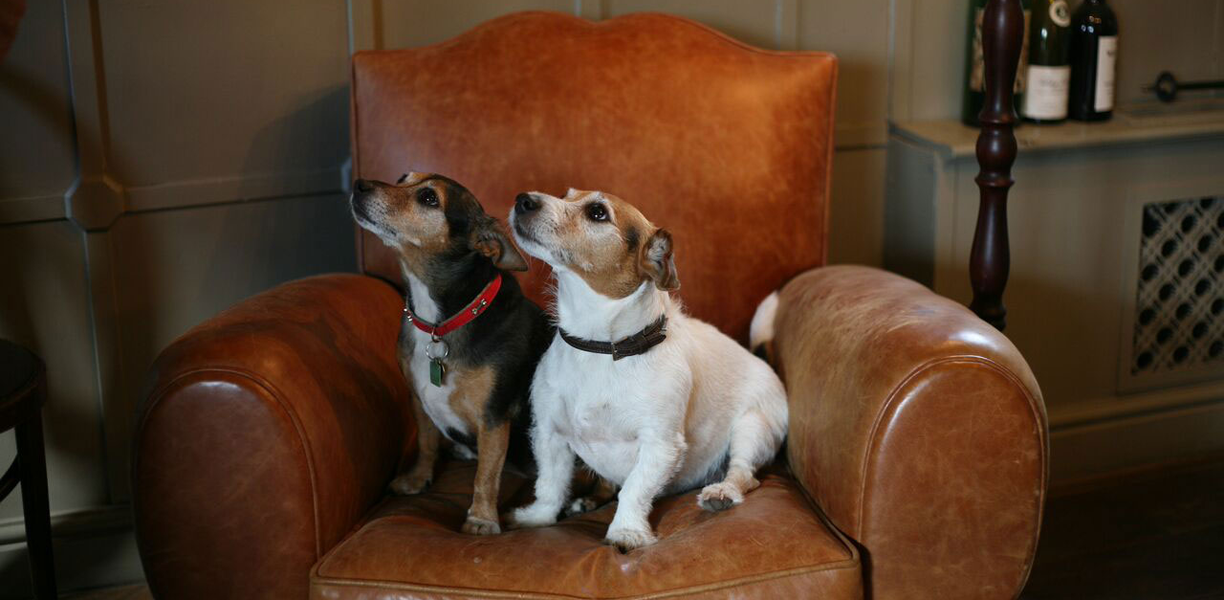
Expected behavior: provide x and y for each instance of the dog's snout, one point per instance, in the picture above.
(524, 203)
(363, 186)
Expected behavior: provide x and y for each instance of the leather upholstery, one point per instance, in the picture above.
(773, 546)
(918, 428)
(268, 431)
(727, 146)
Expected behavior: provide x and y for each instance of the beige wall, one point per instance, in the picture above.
(174, 157)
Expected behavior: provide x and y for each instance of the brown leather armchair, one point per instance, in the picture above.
(916, 462)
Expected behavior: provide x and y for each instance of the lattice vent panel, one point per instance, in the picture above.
(1179, 302)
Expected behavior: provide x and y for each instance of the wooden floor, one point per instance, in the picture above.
(1157, 534)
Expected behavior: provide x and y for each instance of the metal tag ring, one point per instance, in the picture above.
(437, 349)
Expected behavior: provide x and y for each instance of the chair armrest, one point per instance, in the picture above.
(266, 433)
(918, 428)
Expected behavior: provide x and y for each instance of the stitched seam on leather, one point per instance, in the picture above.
(921, 369)
(840, 565)
(842, 538)
(892, 396)
(1043, 430)
(275, 394)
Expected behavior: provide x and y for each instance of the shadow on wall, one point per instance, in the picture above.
(172, 269)
(320, 124)
(43, 276)
(36, 96)
(177, 268)
(50, 267)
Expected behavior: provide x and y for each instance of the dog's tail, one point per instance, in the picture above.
(761, 332)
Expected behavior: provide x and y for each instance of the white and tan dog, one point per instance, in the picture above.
(692, 409)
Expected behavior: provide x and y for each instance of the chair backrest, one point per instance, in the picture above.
(727, 146)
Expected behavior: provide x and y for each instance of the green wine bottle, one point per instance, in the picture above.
(975, 64)
(1049, 68)
(1094, 53)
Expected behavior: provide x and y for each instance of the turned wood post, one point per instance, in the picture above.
(1002, 36)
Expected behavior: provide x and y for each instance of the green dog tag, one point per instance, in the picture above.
(436, 371)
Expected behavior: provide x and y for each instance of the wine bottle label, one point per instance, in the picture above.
(977, 75)
(1060, 13)
(1107, 57)
(1046, 98)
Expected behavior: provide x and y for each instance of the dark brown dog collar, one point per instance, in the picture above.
(633, 345)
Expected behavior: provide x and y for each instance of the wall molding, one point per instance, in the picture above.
(227, 190)
(900, 60)
(1092, 412)
(346, 176)
(860, 136)
(1093, 449)
(87, 76)
(786, 25)
(94, 203)
(31, 209)
(364, 25)
(93, 548)
(78, 523)
(589, 9)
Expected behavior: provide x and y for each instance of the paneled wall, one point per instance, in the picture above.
(163, 160)
(159, 162)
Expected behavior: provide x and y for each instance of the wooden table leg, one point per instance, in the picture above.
(36, 505)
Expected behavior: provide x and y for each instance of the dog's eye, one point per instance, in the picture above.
(597, 212)
(427, 197)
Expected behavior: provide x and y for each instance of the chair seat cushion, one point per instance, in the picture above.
(774, 545)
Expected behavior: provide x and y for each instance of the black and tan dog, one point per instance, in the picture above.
(470, 340)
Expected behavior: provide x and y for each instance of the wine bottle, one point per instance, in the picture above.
(1049, 67)
(1094, 53)
(975, 64)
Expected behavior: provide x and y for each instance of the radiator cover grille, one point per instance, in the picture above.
(1179, 299)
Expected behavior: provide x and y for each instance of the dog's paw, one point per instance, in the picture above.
(629, 539)
(581, 505)
(719, 496)
(478, 526)
(409, 484)
(530, 516)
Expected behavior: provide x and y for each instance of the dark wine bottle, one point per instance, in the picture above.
(1094, 53)
(1049, 67)
(975, 64)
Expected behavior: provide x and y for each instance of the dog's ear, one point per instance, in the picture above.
(656, 262)
(489, 238)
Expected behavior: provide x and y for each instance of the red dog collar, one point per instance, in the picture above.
(463, 317)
